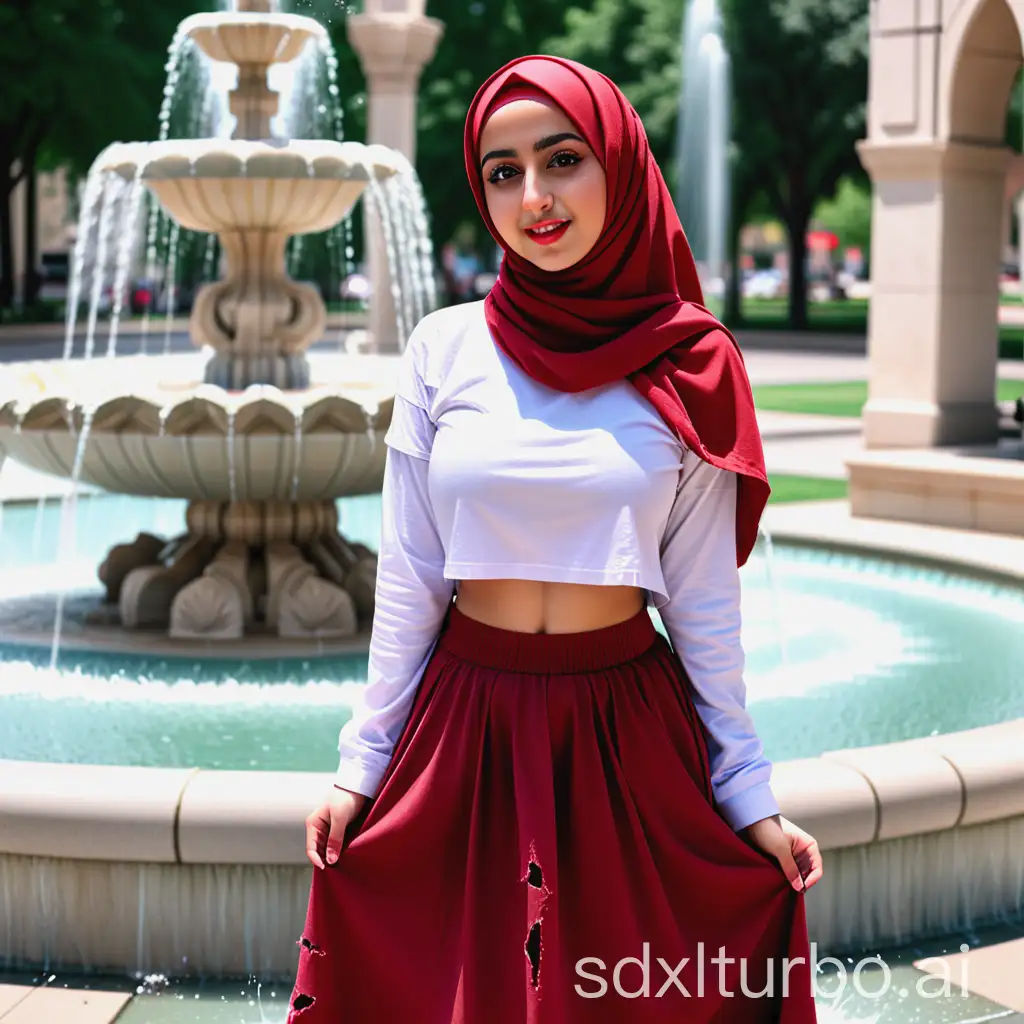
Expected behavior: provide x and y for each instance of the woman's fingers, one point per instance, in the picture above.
(810, 861)
(315, 836)
(341, 815)
(787, 862)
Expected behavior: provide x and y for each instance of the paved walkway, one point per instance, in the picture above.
(770, 367)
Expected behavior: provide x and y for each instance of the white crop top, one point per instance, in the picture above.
(491, 475)
(531, 483)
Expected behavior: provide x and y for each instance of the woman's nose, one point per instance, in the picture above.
(536, 194)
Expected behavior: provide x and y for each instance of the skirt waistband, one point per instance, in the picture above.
(546, 653)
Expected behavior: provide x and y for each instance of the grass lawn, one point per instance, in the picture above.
(849, 316)
(843, 398)
(806, 488)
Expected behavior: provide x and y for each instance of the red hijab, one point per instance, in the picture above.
(632, 307)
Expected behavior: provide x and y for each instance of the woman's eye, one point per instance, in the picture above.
(506, 172)
(501, 173)
(565, 158)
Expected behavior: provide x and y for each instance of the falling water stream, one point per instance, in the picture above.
(702, 140)
(172, 285)
(380, 205)
(68, 538)
(775, 590)
(124, 255)
(111, 187)
(88, 218)
(181, 45)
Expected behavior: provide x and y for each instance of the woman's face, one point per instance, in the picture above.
(545, 188)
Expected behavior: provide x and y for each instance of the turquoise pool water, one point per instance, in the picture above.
(841, 651)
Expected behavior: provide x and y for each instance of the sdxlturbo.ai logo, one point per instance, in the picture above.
(869, 977)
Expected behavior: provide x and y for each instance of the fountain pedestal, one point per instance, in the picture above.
(258, 321)
(246, 566)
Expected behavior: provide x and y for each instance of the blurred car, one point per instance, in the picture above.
(141, 295)
(764, 284)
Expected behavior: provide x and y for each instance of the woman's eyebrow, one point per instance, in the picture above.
(553, 140)
(541, 144)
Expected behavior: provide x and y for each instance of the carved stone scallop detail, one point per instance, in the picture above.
(218, 605)
(300, 602)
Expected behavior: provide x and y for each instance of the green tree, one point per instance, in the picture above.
(75, 75)
(848, 214)
(479, 37)
(1015, 115)
(799, 88)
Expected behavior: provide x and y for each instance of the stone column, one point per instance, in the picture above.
(933, 336)
(394, 40)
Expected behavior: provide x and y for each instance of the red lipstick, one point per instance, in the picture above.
(548, 237)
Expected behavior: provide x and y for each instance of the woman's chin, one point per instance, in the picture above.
(552, 261)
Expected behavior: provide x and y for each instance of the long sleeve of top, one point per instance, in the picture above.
(412, 598)
(702, 619)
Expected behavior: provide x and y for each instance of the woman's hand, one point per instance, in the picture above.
(796, 851)
(325, 827)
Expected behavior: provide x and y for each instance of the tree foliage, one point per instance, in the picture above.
(76, 75)
(847, 214)
(800, 90)
(479, 37)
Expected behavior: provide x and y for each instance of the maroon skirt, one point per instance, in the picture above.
(544, 849)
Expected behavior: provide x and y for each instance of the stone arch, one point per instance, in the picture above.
(983, 51)
(981, 55)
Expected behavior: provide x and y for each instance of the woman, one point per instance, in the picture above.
(543, 813)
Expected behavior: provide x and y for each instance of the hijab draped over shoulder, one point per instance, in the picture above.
(632, 307)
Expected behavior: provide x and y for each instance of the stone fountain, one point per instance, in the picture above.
(259, 446)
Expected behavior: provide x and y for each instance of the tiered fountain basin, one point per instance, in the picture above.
(258, 448)
(260, 557)
(295, 186)
(920, 836)
(255, 195)
(247, 38)
(166, 434)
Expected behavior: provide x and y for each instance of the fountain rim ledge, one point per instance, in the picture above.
(253, 160)
(131, 814)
